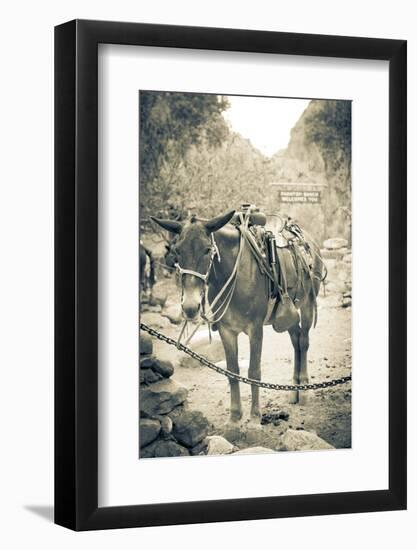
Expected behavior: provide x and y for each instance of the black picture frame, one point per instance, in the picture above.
(76, 272)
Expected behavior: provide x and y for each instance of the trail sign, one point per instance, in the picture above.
(308, 197)
(299, 192)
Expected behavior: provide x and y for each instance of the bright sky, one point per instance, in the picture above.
(267, 122)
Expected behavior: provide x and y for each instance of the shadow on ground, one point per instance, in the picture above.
(45, 512)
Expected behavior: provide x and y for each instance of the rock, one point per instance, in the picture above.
(213, 352)
(336, 254)
(164, 368)
(148, 451)
(161, 397)
(146, 362)
(200, 448)
(178, 411)
(254, 434)
(347, 301)
(254, 451)
(170, 448)
(148, 376)
(161, 448)
(347, 258)
(159, 293)
(190, 428)
(148, 431)
(173, 312)
(335, 243)
(154, 320)
(166, 425)
(218, 445)
(301, 440)
(145, 343)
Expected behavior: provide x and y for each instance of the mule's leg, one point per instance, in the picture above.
(229, 339)
(307, 316)
(304, 343)
(255, 339)
(295, 340)
(301, 341)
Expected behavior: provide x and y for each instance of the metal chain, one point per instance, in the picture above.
(238, 377)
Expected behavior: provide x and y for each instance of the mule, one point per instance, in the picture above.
(206, 252)
(147, 277)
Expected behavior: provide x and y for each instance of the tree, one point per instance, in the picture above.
(171, 122)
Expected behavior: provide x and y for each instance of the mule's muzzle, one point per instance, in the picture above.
(190, 312)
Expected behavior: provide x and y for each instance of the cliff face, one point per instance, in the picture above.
(319, 151)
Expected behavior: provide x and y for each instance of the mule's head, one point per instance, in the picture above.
(193, 252)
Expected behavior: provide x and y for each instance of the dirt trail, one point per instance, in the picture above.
(326, 412)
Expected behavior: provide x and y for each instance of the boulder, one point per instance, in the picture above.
(335, 243)
(164, 368)
(200, 448)
(213, 351)
(254, 451)
(173, 312)
(301, 440)
(178, 411)
(190, 428)
(148, 431)
(166, 425)
(336, 254)
(161, 397)
(161, 448)
(148, 376)
(218, 445)
(145, 343)
(170, 448)
(146, 362)
(347, 300)
(154, 320)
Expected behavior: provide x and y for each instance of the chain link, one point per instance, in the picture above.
(238, 377)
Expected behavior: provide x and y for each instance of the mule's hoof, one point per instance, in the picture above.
(293, 397)
(235, 416)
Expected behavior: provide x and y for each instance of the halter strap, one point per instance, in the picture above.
(204, 277)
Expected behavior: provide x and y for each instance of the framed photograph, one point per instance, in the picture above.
(230, 253)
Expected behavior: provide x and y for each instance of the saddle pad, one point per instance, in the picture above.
(287, 264)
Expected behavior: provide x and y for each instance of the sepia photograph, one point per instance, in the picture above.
(245, 274)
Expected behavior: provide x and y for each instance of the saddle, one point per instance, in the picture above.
(284, 257)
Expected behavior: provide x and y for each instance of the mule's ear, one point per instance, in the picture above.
(169, 225)
(217, 223)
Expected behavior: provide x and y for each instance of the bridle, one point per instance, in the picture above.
(220, 303)
(214, 252)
